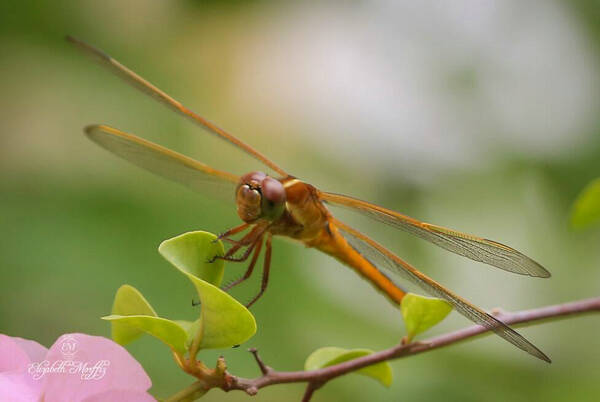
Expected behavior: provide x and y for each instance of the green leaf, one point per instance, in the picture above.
(421, 313)
(191, 253)
(330, 356)
(186, 325)
(223, 321)
(167, 331)
(191, 328)
(586, 208)
(129, 301)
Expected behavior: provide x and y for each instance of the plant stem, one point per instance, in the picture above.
(321, 376)
(190, 393)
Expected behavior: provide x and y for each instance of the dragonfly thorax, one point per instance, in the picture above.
(259, 196)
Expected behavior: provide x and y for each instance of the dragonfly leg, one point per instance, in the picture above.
(232, 231)
(243, 257)
(229, 252)
(225, 236)
(250, 269)
(266, 268)
(248, 239)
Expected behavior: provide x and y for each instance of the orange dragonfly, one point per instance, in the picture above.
(288, 206)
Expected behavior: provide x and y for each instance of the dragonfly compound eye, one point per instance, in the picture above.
(248, 203)
(273, 200)
(256, 177)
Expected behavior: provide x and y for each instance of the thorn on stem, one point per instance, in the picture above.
(221, 366)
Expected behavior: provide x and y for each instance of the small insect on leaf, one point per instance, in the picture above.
(328, 356)
(421, 313)
(586, 208)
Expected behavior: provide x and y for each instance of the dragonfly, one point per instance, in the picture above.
(284, 205)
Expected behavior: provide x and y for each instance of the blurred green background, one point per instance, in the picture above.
(481, 116)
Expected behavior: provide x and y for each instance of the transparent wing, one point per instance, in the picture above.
(385, 259)
(164, 162)
(148, 88)
(473, 247)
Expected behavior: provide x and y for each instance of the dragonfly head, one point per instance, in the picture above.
(259, 196)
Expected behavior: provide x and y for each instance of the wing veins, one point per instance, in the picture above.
(383, 258)
(473, 247)
(160, 160)
(148, 88)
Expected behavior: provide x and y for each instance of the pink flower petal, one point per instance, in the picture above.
(12, 355)
(16, 355)
(121, 396)
(34, 350)
(18, 386)
(88, 365)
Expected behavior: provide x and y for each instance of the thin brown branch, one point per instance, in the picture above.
(309, 392)
(263, 367)
(317, 378)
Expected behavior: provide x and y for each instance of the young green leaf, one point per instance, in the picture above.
(187, 325)
(192, 253)
(167, 331)
(223, 321)
(129, 301)
(191, 328)
(421, 313)
(329, 356)
(586, 208)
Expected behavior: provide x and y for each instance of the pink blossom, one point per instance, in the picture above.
(77, 367)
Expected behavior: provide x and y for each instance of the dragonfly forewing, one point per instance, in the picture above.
(148, 88)
(473, 247)
(164, 162)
